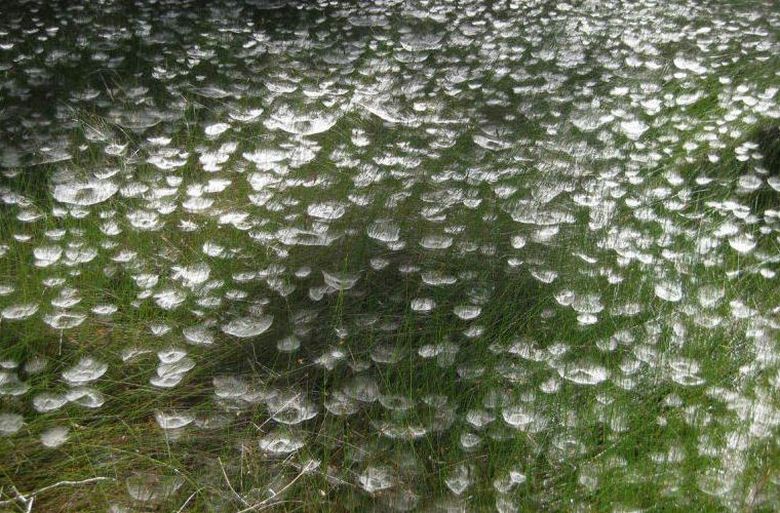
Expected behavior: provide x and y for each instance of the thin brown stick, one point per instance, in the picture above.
(245, 503)
(28, 497)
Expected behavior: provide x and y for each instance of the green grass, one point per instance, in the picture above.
(637, 442)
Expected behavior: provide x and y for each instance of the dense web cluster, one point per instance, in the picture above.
(510, 255)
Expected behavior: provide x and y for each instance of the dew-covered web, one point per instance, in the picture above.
(507, 255)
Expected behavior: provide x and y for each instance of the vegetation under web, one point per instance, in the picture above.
(389, 256)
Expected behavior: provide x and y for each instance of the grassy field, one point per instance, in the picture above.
(389, 256)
